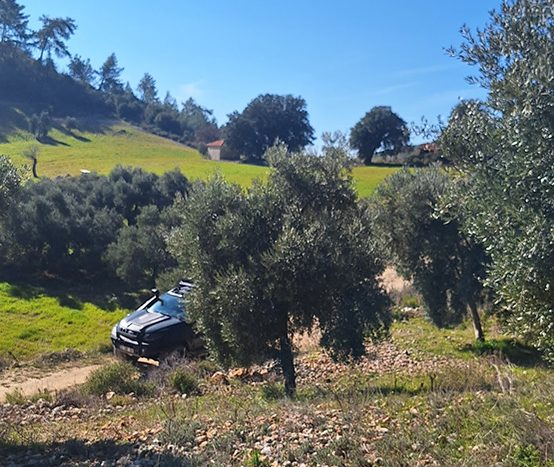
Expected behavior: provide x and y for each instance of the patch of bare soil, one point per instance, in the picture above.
(393, 283)
(29, 380)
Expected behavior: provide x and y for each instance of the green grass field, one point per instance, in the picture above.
(111, 144)
(35, 322)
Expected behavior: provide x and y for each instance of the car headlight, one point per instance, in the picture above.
(114, 331)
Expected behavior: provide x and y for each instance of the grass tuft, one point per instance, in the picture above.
(121, 378)
(184, 381)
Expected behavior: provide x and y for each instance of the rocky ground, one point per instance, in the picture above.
(393, 407)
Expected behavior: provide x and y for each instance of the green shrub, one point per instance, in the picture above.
(272, 391)
(527, 456)
(207, 367)
(183, 381)
(70, 123)
(121, 378)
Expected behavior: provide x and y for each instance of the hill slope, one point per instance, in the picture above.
(102, 145)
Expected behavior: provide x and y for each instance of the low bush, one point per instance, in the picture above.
(272, 391)
(120, 378)
(184, 381)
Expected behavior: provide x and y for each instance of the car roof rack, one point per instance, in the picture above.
(185, 286)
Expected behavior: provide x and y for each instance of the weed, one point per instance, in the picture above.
(272, 391)
(184, 381)
(527, 456)
(254, 459)
(207, 367)
(16, 397)
(511, 349)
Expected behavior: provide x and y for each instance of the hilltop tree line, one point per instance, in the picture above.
(29, 73)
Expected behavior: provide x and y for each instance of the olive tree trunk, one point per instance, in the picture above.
(34, 169)
(477, 328)
(287, 365)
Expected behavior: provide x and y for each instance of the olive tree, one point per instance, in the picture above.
(445, 266)
(504, 148)
(10, 181)
(280, 257)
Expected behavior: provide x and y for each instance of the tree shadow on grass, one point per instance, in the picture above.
(52, 142)
(23, 291)
(69, 301)
(76, 451)
(108, 295)
(514, 351)
(69, 132)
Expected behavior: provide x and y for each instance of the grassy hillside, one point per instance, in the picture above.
(102, 146)
(34, 322)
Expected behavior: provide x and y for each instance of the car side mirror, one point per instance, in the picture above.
(156, 293)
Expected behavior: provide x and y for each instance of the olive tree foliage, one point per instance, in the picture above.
(139, 253)
(279, 258)
(445, 266)
(66, 225)
(504, 147)
(379, 128)
(10, 181)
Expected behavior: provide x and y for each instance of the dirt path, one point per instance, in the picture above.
(30, 382)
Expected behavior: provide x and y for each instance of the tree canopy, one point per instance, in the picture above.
(81, 70)
(504, 149)
(266, 119)
(52, 36)
(379, 128)
(13, 23)
(147, 89)
(110, 75)
(445, 265)
(280, 257)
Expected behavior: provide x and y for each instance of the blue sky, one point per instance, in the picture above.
(342, 57)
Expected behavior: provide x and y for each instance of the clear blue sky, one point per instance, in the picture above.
(342, 57)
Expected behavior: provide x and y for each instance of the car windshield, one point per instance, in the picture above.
(169, 305)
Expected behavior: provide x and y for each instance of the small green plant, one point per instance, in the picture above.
(410, 301)
(16, 397)
(254, 459)
(207, 367)
(184, 381)
(120, 378)
(272, 391)
(527, 456)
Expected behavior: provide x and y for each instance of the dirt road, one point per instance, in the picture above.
(30, 381)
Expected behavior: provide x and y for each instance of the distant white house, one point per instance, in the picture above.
(214, 149)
